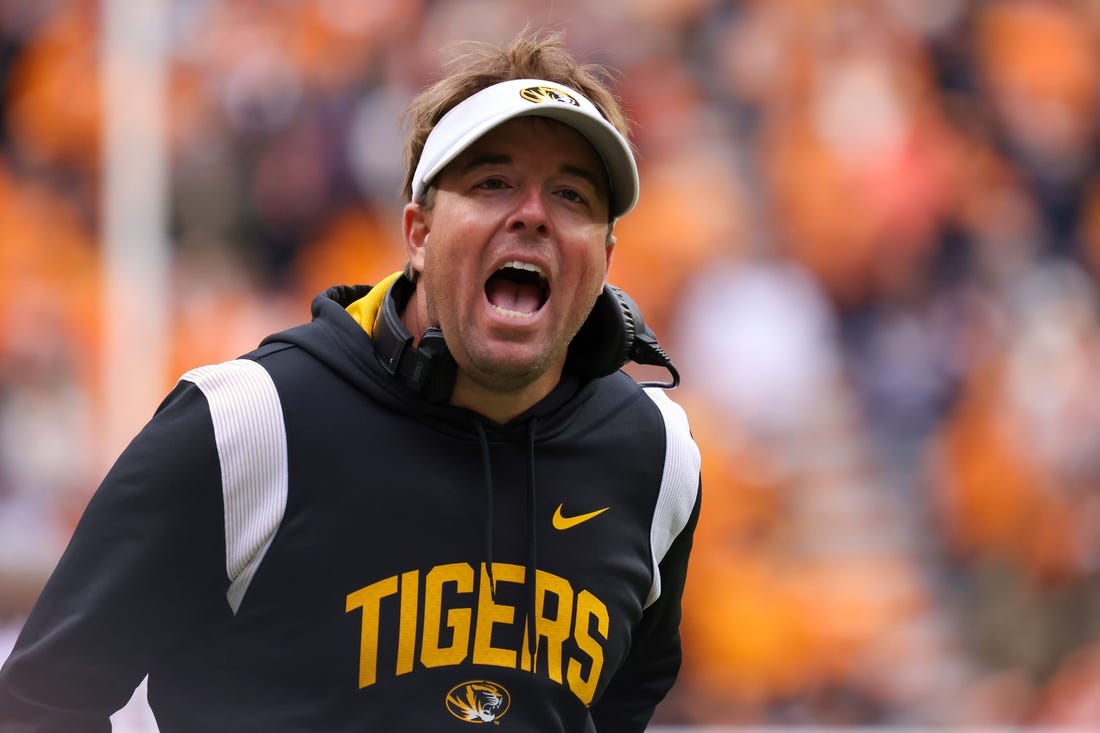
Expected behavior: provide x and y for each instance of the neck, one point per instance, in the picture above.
(499, 406)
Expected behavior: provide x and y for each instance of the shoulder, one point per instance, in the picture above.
(233, 383)
(257, 377)
(680, 445)
(242, 376)
(620, 397)
(242, 399)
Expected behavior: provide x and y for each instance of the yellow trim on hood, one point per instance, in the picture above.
(366, 310)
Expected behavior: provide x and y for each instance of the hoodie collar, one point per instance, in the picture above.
(367, 309)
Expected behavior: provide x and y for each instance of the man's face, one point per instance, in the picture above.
(514, 251)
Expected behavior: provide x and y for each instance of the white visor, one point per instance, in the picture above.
(477, 114)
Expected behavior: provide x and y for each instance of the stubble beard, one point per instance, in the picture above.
(491, 374)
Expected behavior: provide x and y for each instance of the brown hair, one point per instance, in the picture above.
(481, 65)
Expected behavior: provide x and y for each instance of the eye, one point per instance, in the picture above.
(571, 194)
(492, 184)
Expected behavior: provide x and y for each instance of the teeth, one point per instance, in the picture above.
(511, 314)
(528, 266)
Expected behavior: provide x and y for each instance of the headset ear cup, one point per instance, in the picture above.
(428, 368)
(606, 339)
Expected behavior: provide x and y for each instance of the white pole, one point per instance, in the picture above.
(134, 234)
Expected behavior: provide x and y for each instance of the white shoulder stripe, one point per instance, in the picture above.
(251, 439)
(679, 484)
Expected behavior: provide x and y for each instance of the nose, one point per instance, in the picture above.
(530, 213)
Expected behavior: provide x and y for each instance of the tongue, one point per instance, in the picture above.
(512, 296)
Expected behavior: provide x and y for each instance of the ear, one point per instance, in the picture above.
(609, 247)
(415, 226)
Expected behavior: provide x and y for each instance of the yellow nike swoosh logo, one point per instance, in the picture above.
(563, 522)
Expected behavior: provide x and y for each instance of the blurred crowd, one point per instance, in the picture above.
(868, 235)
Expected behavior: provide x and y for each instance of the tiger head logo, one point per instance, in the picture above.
(478, 701)
(541, 94)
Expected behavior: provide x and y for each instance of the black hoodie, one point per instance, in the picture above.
(297, 542)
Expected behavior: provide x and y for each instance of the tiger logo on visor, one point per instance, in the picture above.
(542, 94)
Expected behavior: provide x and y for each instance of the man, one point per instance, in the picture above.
(352, 529)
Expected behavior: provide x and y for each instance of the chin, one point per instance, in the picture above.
(510, 372)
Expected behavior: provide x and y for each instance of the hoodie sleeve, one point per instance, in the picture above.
(653, 663)
(146, 560)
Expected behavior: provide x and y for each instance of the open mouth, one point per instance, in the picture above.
(517, 289)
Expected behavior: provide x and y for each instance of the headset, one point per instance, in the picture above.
(613, 334)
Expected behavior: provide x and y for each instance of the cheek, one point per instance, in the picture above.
(596, 268)
(448, 285)
(590, 281)
(449, 271)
